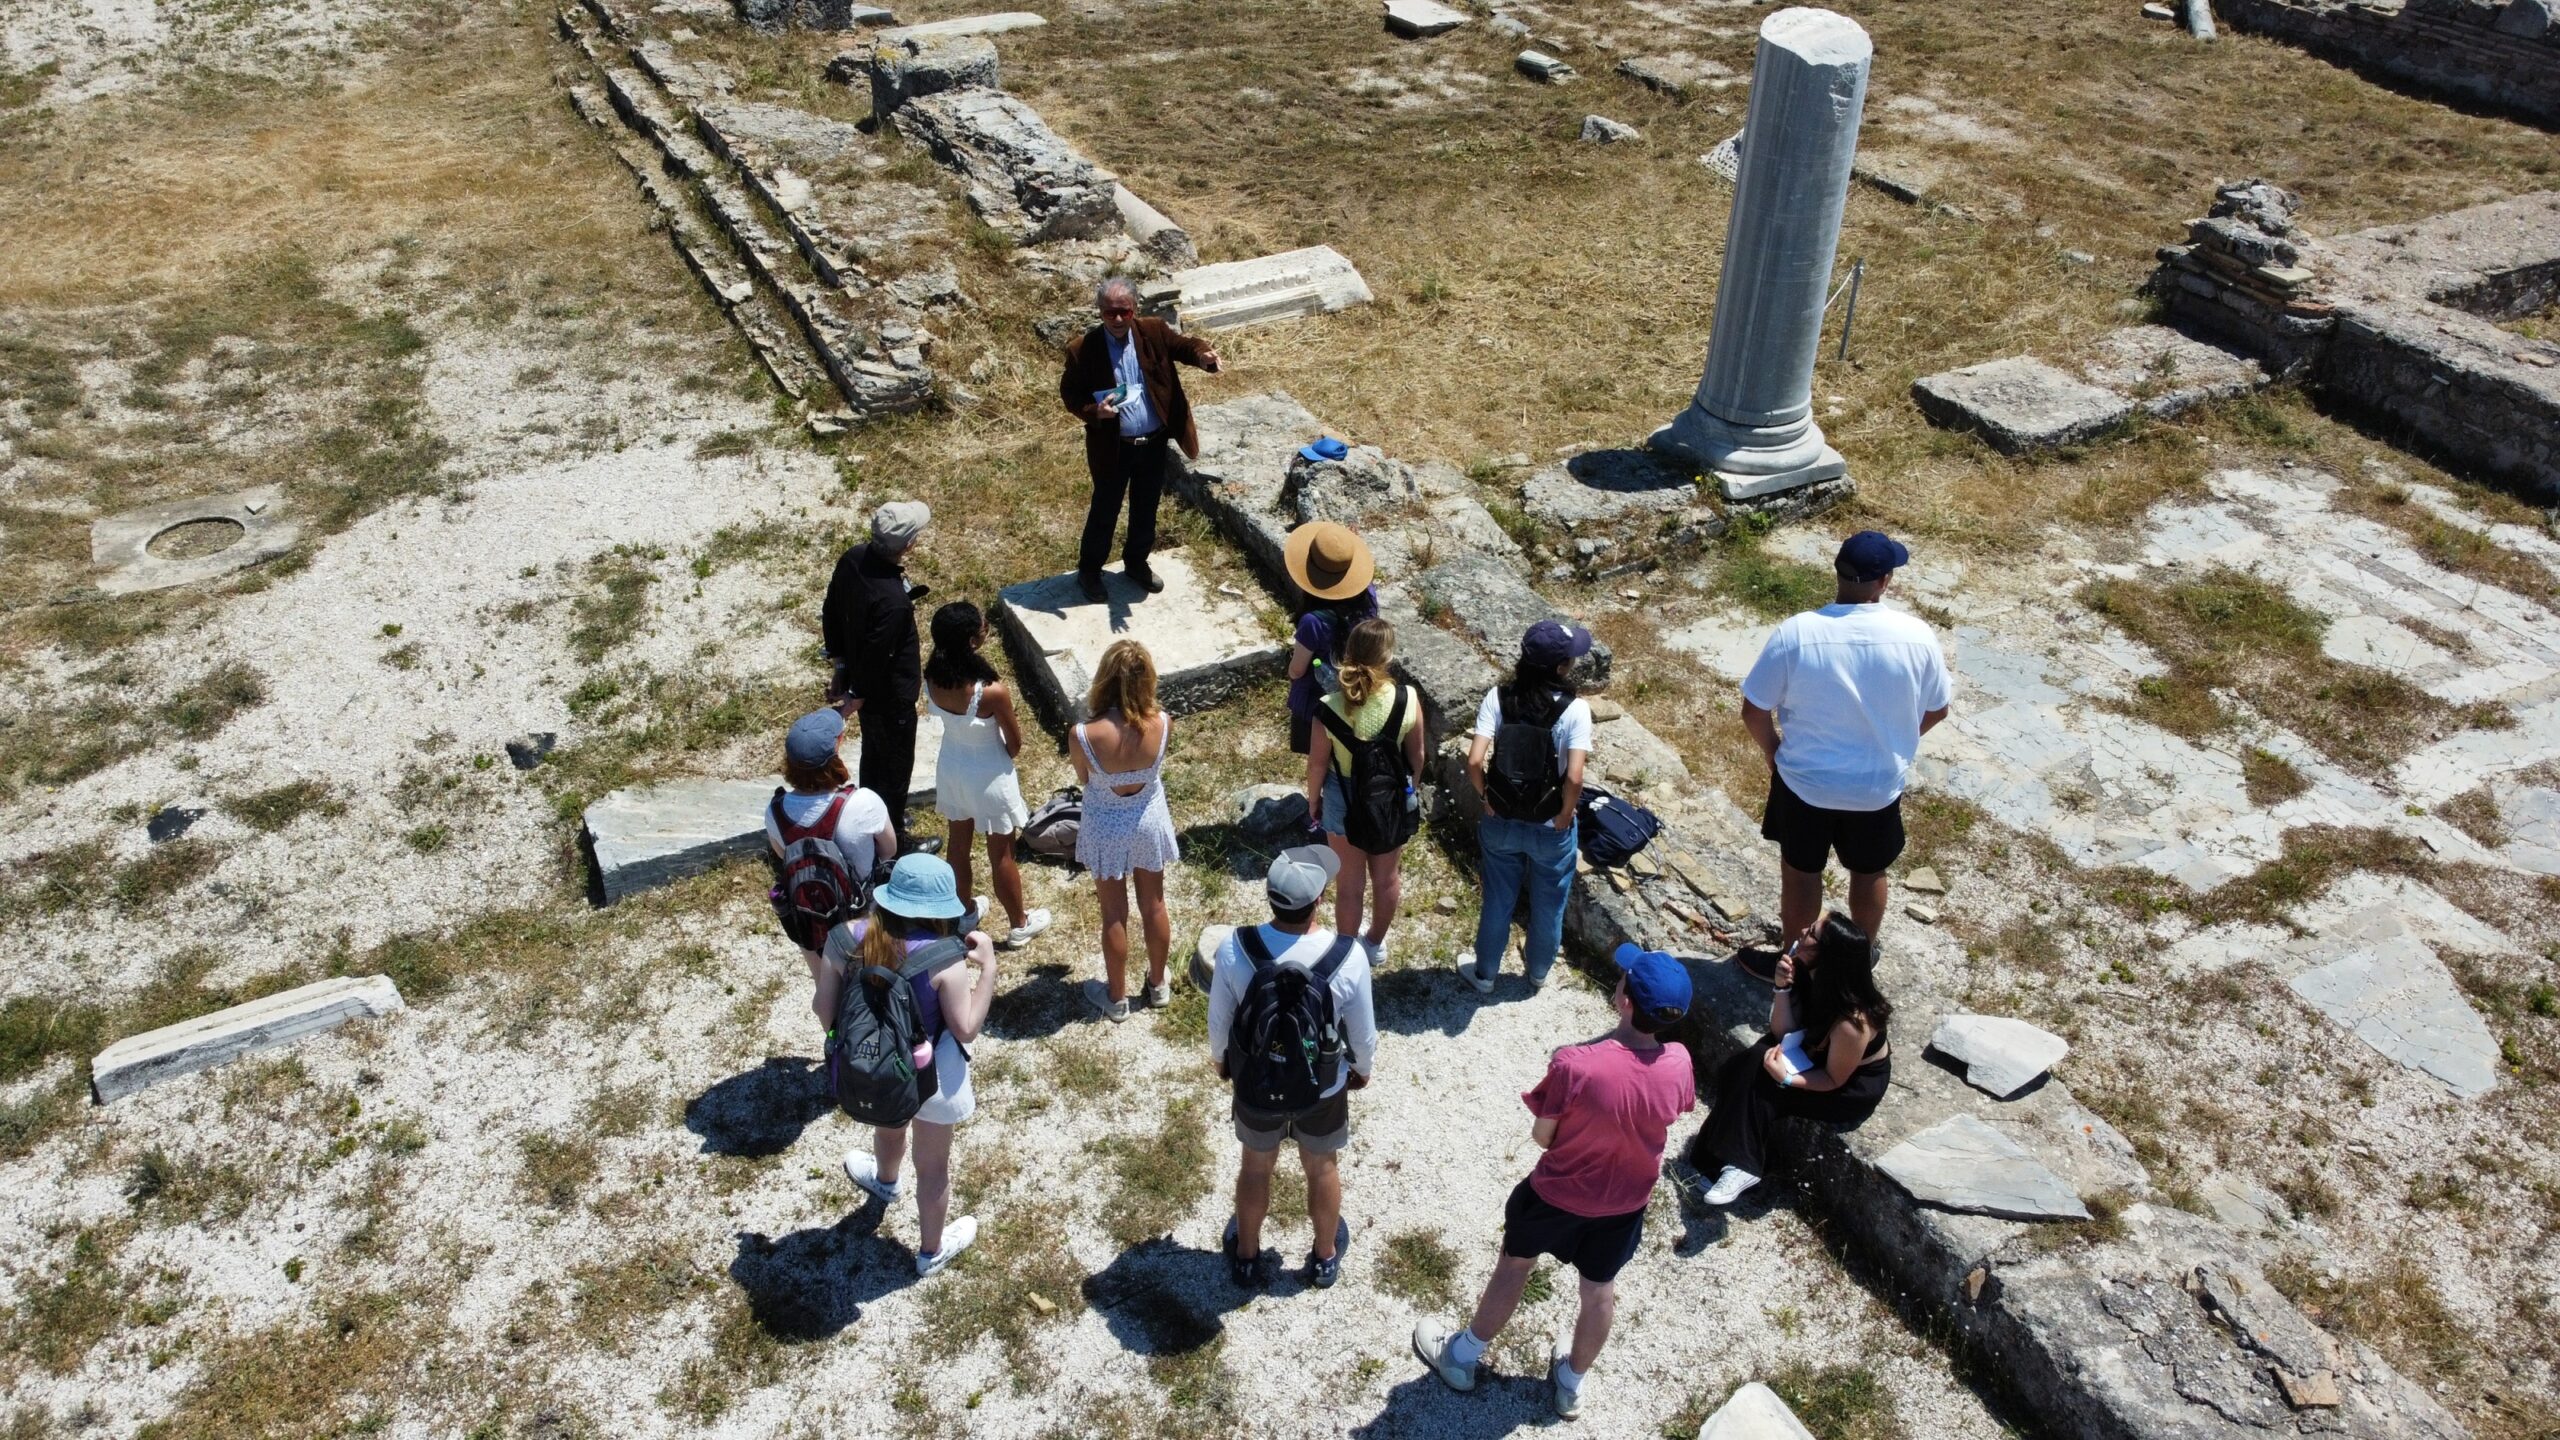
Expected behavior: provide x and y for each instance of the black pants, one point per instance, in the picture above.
(888, 763)
(1138, 473)
(1748, 1103)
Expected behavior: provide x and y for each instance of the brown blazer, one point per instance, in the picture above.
(1089, 369)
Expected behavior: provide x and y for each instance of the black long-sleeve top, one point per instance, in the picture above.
(870, 627)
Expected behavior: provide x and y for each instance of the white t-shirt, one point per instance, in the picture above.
(1352, 1009)
(1848, 684)
(1572, 728)
(862, 818)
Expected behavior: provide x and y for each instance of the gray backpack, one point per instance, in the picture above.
(1052, 829)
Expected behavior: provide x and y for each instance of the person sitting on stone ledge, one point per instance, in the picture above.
(1127, 829)
(1120, 381)
(1331, 566)
(1825, 1057)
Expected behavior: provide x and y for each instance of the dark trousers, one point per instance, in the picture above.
(888, 763)
(1138, 473)
(1748, 1104)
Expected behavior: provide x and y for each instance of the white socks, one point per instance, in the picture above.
(1566, 1375)
(1465, 1349)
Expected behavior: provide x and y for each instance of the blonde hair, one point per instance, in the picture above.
(884, 939)
(1364, 660)
(1126, 682)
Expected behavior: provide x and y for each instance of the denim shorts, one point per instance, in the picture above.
(1337, 803)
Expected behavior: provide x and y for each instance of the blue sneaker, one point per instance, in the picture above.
(1322, 1272)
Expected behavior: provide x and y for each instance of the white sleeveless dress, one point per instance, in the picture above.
(976, 781)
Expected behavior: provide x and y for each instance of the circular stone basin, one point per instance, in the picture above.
(195, 539)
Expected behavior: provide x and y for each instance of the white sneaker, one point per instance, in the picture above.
(1730, 1185)
(861, 1167)
(1467, 971)
(1377, 953)
(1159, 996)
(1568, 1398)
(1022, 934)
(1431, 1342)
(1098, 995)
(955, 1238)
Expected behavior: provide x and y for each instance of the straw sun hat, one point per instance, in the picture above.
(1329, 561)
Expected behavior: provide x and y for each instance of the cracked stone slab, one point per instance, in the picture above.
(1962, 1164)
(138, 1062)
(2019, 404)
(652, 835)
(122, 542)
(2169, 373)
(2531, 815)
(2001, 1055)
(1754, 1413)
(1207, 644)
(1421, 19)
(2398, 998)
(995, 24)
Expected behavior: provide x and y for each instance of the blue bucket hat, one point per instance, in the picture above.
(921, 888)
(1657, 984)
(1323, 447)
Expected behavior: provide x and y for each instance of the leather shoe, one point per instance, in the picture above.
(1145, 577)
(919, 845)
(1090, 582)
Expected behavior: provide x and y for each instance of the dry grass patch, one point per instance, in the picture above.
(1419, 1266)
(2474, 812)
(2270, 778)
(1156, 1177)
(341, 1373)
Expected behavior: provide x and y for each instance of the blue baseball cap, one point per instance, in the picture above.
(1658, 984)
(1323, 447)
(921, 888)
(813, 738)
(1872, 555)
(1553, 642)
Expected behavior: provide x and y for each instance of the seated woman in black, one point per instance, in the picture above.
(1827, 990)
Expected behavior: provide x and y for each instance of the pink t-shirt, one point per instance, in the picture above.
(1613, 1109)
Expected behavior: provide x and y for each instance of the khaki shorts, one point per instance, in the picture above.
(1323, 1130)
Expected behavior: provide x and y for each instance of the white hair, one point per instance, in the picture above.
(1102, 293)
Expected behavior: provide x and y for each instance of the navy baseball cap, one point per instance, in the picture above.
(1872, 555)
(1658, 984)
(1553, 642)
(813, 738)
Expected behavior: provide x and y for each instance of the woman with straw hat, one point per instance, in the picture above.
(1331, 565)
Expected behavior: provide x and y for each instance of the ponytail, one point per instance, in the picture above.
(1364, 661)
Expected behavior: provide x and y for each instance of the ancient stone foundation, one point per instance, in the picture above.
(2504, 56)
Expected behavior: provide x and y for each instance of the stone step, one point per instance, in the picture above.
(1207, 645)
(652, 835)
(138, 1062)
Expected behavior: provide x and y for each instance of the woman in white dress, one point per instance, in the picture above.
(975, 787)
(1127, 833)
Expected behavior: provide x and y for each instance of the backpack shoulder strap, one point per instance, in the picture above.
(1335, 726)
(1335, 957)
(1249, 940)
(935, 958)
(1393, 730)
(825, 826)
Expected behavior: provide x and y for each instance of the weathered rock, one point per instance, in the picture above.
(1207, 644)
(917, 65)
(1963, 1164)
(1022, 179)
(2399, 998)
(2531, 816)
(1601, 130)
(1618, 489)
(2243, 1208)
(2269, 208)
(1421, 19)
(1203, 965)
(1754, 1413)
(2001, 1056)
(812, 14)
(2169, 373)
(1270, 812)
(1362, 484)
(2263, 1320)
(1678, 74)
(140, 1061)
(243, 528)
(1627, 755)
(2020, 404)
(1923, 880)
(1492, 605)
(527, 751)
(1313, 281)
(1542, 67)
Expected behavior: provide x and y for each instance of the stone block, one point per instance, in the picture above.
(1420, 19)
(995, 24)
(1167, 243)
(917, 65)
(1452, 674)
(653, 835)
(1207, 645)
(1313, 281)
(1491, 604)
(195, 540)
(1542, 67)
(1754, 1413)
(2169, 373)
(138, 1062)
(1963, 1164)
(2399, 998)
(1022, 179)
(1601, 130)
(2020, 404)
(1361, 486)
(1612, 488)
(2001, 1056)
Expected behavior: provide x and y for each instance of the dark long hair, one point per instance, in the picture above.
(956, 661)
(1537, 692)
(1840, 983)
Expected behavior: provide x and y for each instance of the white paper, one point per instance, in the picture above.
(1791, 1053)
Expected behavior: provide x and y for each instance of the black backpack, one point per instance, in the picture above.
(1383, 813)
(1612, 827)
(1522, 780)
(871, 1050)
(817, 889)
(1285, 1048)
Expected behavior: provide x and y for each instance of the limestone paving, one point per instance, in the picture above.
(1207, 643)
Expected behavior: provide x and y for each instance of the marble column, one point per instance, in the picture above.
(1751, 424)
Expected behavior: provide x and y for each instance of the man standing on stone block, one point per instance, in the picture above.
(1120, 381)
(870, 626)
(1838, 701)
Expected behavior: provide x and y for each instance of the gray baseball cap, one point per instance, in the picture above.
(1299, 875)
(813, 738)
(898, 523)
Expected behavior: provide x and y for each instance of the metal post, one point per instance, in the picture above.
(1849, 317)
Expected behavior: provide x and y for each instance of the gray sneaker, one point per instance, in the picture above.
(1482, 983)
(1098, 995)
(1431, 1342)
(1159, 996)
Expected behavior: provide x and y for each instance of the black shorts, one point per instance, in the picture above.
(1302, 733)
(1869, 841)
(1598, 1249)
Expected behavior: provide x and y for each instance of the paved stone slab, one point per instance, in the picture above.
(1754, 1413)
(2166, 372)
(2019, 404)
(1207, 645)
(2398, 998)
(1420, 19)
(138, 1062)
(1313, 281)
(1961, 1163)
(995, 24)
(122, 542)
(2001, 1055)
(2531, 814)
(653, 835)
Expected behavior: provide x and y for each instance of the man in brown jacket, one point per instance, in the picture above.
(1121, 383)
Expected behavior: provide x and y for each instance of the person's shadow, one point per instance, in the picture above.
(1037, 1006)
(1423, 1406)
(812, 1283)
(1162, 1298)
(761, 1111)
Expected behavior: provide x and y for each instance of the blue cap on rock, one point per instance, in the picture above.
(1872, 555)
(921, 888)
(1656, 983)
(1324, 447)
(813, 738)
